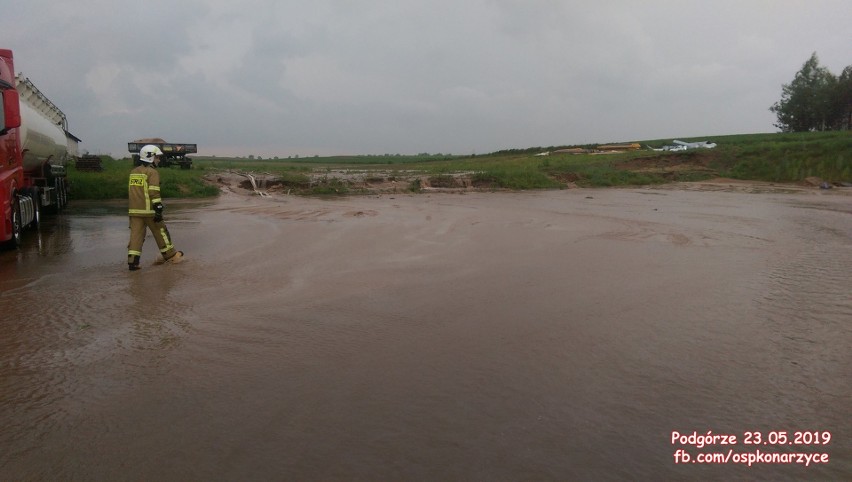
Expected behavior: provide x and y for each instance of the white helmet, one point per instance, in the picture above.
(147, 153)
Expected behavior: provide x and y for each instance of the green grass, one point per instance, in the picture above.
(111, 183)
(782, 157)
(792, 157)
(517, 177)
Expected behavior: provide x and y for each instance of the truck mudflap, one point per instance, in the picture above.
(62, 189)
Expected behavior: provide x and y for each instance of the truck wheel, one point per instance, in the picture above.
(15, 241)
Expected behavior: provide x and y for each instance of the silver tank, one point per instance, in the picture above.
(43, 128)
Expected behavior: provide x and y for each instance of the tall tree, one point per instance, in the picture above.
(806, 102)
(843, 100)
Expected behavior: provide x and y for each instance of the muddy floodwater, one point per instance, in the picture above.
(558, 335)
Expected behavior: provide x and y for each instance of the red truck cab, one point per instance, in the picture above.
(34, 146)
(11, 168)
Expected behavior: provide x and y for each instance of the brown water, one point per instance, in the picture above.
(544, 336)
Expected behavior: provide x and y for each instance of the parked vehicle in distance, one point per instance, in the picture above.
(173, 154)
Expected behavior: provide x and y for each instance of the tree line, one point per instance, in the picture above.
(816, 100)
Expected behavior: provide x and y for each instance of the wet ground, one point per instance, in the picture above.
(489, 336)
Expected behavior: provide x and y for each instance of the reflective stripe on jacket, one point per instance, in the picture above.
(143, 191)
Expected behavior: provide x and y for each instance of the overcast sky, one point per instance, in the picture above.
(285, 77)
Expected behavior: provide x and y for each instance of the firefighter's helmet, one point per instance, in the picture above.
(149, 152)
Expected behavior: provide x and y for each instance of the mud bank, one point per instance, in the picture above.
(378, 182)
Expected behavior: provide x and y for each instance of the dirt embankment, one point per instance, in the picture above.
(670, 165)
(374, 182)
(345, 181)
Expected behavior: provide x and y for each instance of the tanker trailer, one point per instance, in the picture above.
(34, 144)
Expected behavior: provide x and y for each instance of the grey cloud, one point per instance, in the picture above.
(331, 76)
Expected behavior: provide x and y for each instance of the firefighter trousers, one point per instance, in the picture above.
(138, 225)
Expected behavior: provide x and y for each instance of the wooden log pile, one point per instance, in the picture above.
(89, 163)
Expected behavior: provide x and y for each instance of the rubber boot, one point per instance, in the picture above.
(176, 258)
(133, 263)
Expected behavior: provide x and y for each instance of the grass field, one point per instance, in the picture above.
(787, 157)
(111, 183)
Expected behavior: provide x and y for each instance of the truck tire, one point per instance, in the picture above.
(15, 241)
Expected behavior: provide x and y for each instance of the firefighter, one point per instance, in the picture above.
(146, 210)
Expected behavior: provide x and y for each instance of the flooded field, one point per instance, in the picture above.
(551, 335)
